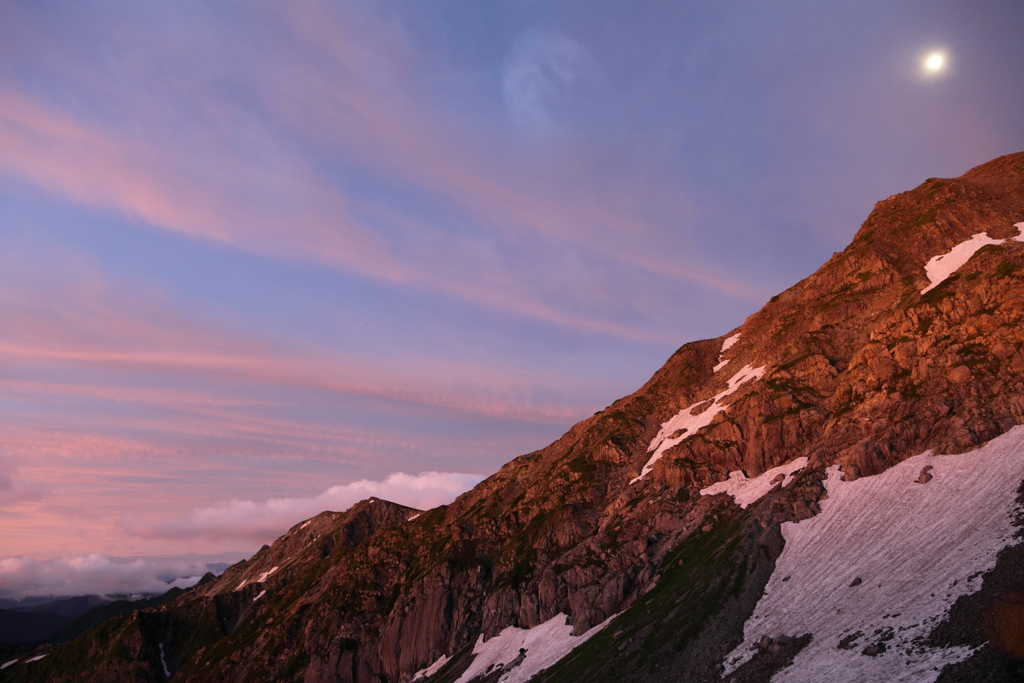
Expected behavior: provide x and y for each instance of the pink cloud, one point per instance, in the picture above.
(350, 92)
(14, 490)
(189, 440)
(330, 374)
(238, 520)
(88, 320)
(89, 164)
(507, 190)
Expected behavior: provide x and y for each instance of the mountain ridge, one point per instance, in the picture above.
(857, 368)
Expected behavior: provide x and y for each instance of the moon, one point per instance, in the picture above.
(934, 62)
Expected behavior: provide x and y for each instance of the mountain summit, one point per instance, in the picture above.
(830, 492)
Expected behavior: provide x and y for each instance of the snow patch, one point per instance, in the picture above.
(432, 669)
(887, 557)
(686, 423)
(262, 593)
(261, 579)
(942, 266)
(7, 664)
(746, 491)
(163, 662)
(541, 646)
(34, 659)
(305, 524)
(264, 575)
(726, 345)
(414, 516)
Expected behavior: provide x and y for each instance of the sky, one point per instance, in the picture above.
(261, 259)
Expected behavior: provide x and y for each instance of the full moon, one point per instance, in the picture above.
(934, 62)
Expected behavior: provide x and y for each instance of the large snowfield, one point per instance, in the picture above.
(886, 558)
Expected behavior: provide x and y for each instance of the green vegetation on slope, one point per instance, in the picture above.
(702, 575)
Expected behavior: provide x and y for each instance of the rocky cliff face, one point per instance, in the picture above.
(908, 340)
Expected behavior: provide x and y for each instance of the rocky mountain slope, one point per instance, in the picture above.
(829, 492)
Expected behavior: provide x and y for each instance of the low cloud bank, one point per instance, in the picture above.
(240, 520)
(96, 575)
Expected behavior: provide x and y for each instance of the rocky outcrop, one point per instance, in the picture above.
(856, 367)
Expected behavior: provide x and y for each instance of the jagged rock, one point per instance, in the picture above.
(873, 650)
(850, 472)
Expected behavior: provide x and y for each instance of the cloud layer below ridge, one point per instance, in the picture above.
(245, 520)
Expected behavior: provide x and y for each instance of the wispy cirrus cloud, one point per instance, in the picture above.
(323, 93)
(238, 520)
(540, 66)
(115, 393)
(87, 319)
(13, 489)
(215, 197)
(324, 374)
(308, 220)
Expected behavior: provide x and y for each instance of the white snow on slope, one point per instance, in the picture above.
(942, 266)
(746, 491)
(34, 659)
(7, 664)
(163, 662)
(264, 575)
(685, 423)
(915, 547)
(545, 644)
(432, 669)
(726, 345)
(262, 593)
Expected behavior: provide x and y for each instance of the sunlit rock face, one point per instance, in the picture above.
(749, 512)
